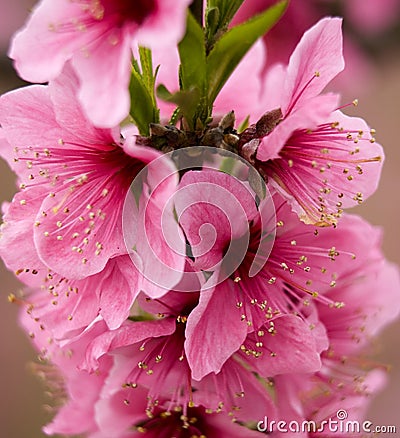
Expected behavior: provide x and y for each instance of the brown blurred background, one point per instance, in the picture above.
(22, 397)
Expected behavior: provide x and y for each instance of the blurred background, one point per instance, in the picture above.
(372, 50)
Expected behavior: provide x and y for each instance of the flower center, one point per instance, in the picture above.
(122, 10)
(175, 422)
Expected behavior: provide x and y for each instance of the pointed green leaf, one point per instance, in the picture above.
(146, 63)
(143, 111)
(163, 93)
(193, 56)
(186, 100)
(144, 108)
(212, 22)
(229, 50)
(227, 9)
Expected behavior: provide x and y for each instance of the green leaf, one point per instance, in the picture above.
(212, 22)
(226, 8)
(143, 110)
(193, 56)
(229, 50)
(146, 63)
(163, 93)
(186, 100)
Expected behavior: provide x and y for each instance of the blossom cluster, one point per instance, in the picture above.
(188, 263)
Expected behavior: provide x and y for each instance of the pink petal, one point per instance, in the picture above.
(246, 102)
(27, 119)
(77, 241)
(238, 389)
(365, 312)
(128, 334)
(214, 209)
(320, 50)
(48, 39)
(119, 289)
(315, 110)
(152, 235)
(365, 166)
(70, 115)
(17, 248)
(210, 339)
(157, 30)
(118, 412)
(104, 73)
(273, 87)
(290, 348)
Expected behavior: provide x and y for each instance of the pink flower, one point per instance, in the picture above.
(80, 176)
(121, 394)
(150, 354)
(366, 312)
(98, 37)
(262, 291)
(163, 421)
(347, 379)
(63, 306)
(304, 265)
(320, 160)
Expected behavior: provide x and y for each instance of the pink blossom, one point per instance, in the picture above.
(347, 379)
(63, 306)
(289, 277)
(158, 388)
(128, 407)
(83, 174)
(370, 294)
(304, 265)
(301, 137)
(98, 37)
(151, 355)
